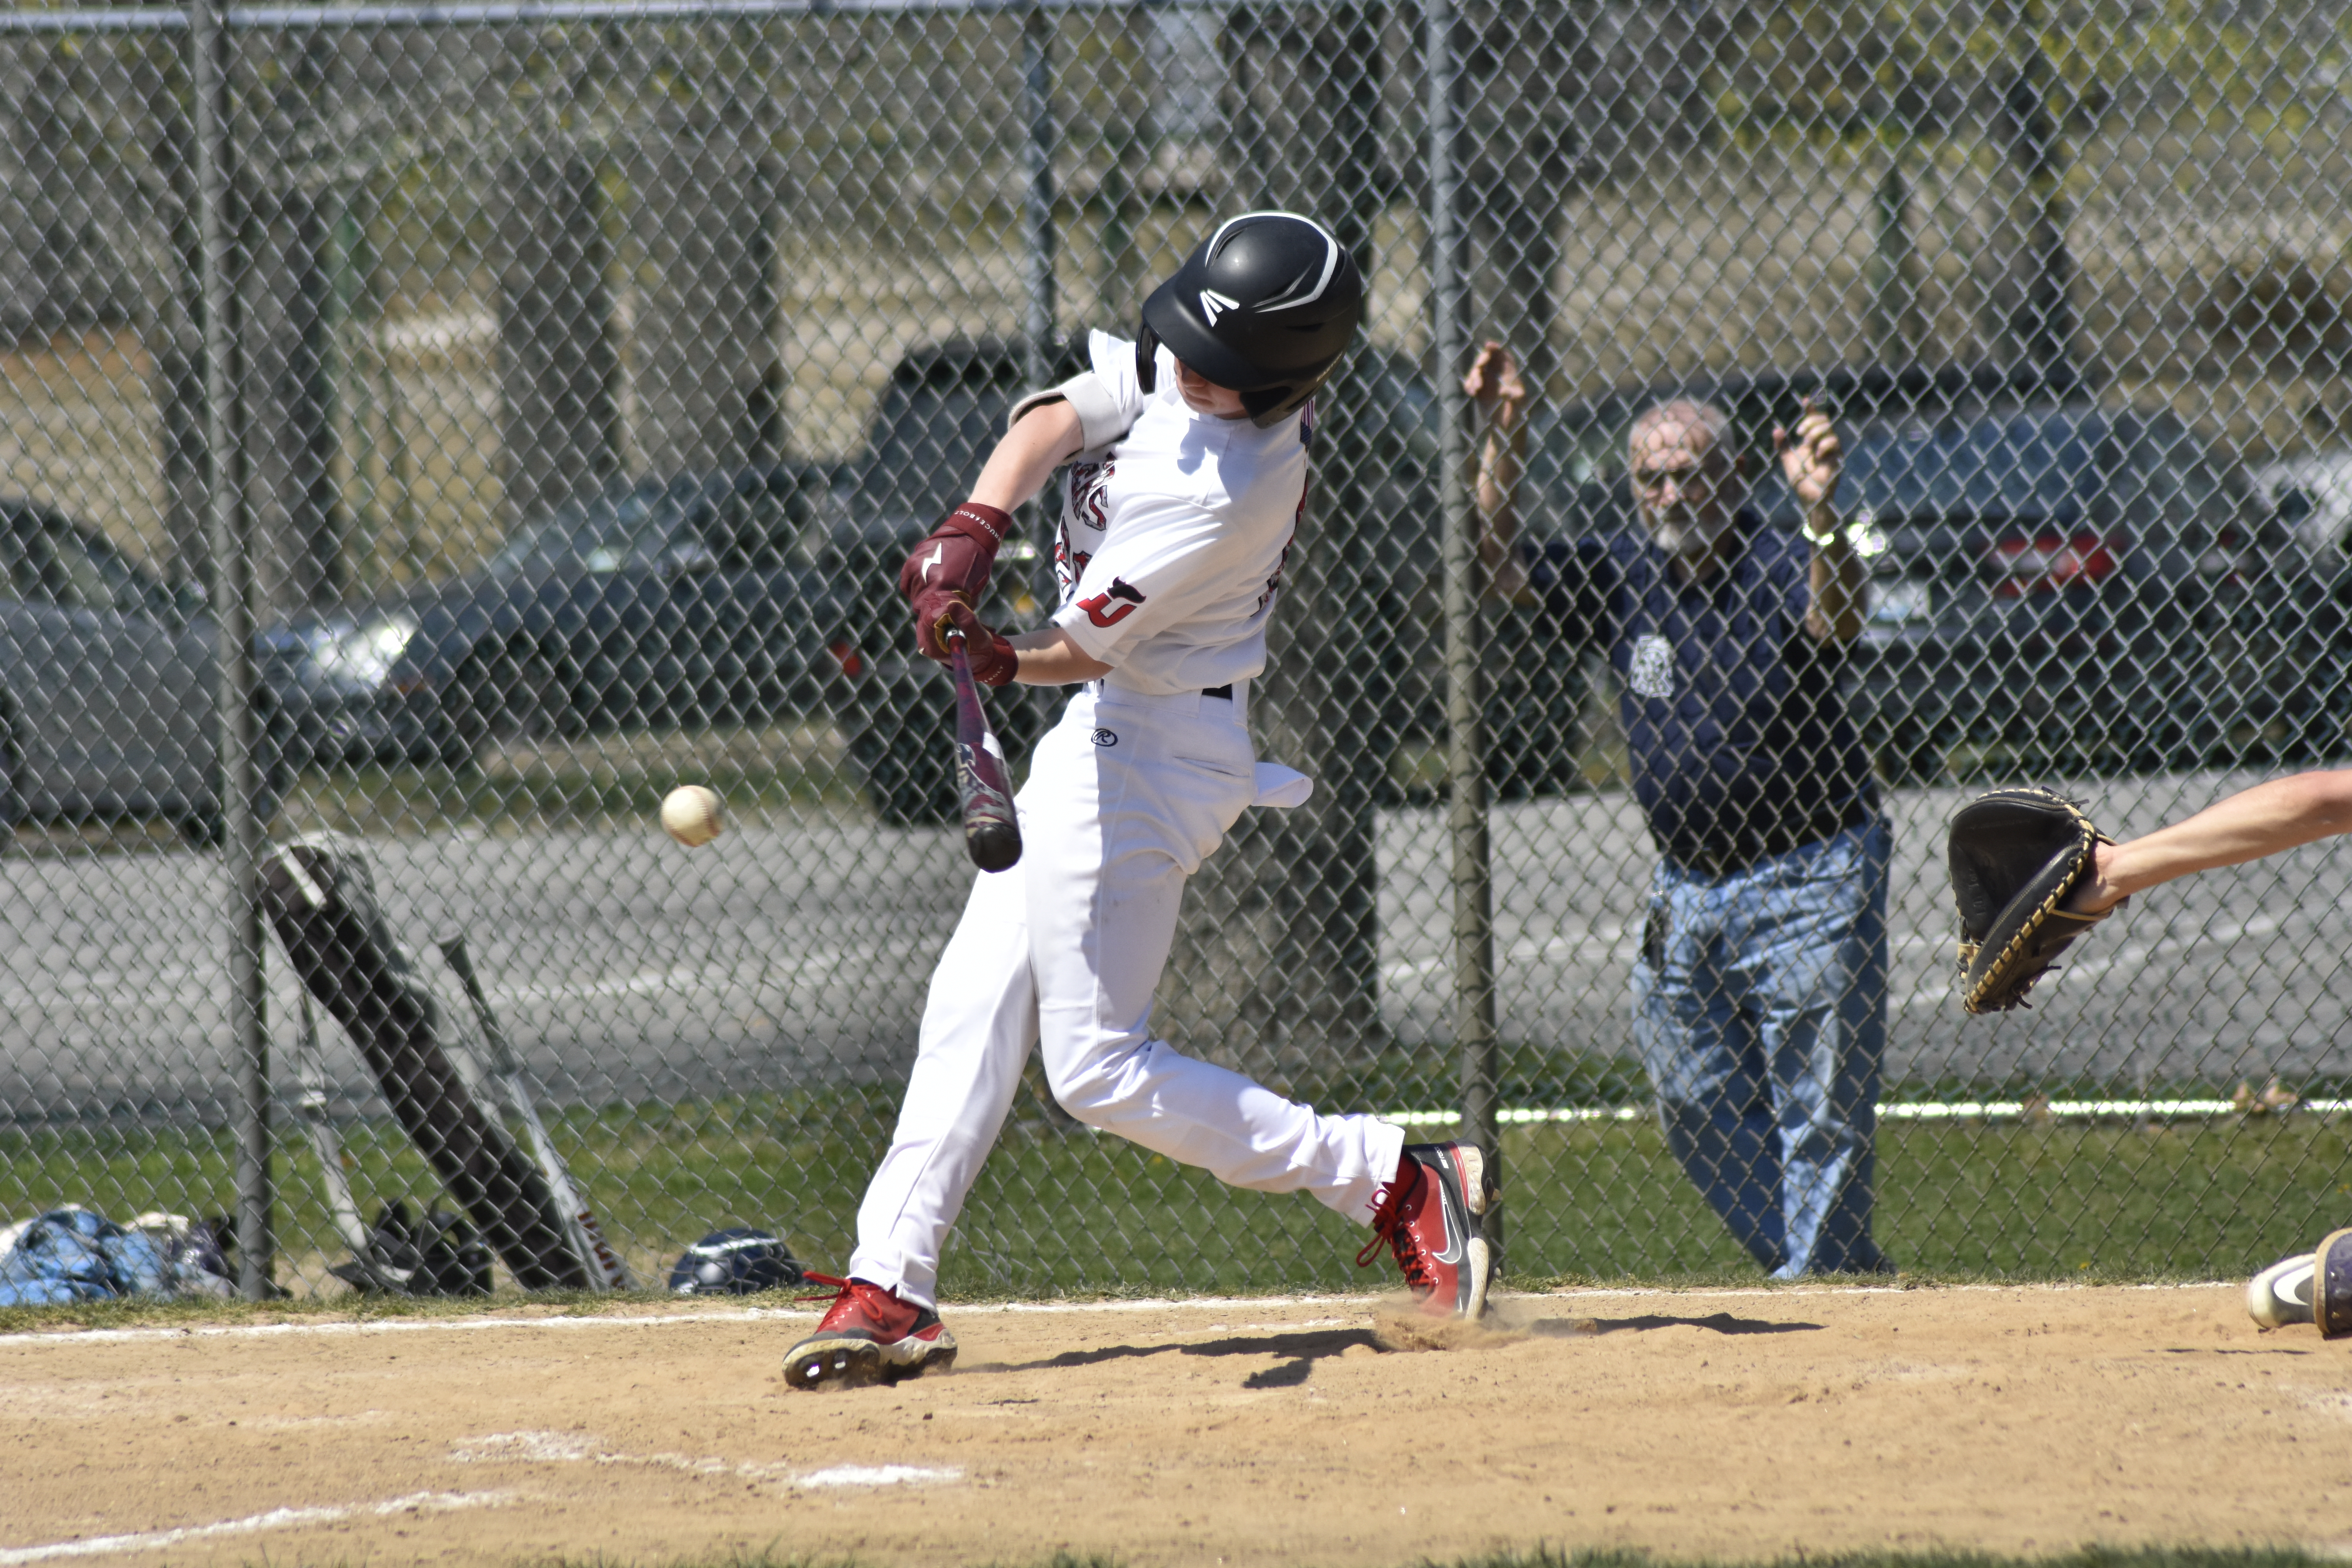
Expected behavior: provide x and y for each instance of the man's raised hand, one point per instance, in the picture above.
(1812, 459)
(1494, 379)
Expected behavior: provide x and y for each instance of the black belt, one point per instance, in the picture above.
(1225, 691)
(1763, 844)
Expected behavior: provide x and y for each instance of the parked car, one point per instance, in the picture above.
(689, 598)
(2311, 499)
(2048, 577)
(109, 685)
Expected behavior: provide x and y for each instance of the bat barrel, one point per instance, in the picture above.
(992, 845)
(992, 832)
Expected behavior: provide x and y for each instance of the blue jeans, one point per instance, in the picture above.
(1759, 1009)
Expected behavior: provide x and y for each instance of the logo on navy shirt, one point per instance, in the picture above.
(1652, 673)
(1103, 613)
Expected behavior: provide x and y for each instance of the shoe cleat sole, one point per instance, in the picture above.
(1477, 1184)
(1481, 1265)
(834, 1364)
(935, 1359)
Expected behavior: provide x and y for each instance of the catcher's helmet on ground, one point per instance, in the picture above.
(1265, 306)
(735, 1262)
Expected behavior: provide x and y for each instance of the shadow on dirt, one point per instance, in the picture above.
(1720, 1323)
(1302, 1348)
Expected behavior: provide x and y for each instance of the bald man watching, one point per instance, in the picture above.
(1759, 992)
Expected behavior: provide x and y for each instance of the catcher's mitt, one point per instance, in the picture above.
(2015, 855)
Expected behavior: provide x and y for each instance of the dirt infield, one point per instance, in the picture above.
(1725, 1424)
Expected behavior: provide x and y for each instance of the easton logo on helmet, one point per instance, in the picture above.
(1213, 304)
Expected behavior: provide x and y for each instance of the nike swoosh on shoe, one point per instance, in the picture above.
(1452, 1255)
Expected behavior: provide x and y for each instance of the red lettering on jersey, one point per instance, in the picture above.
(1100, 610)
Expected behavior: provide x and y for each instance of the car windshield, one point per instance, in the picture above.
(2014, 466)
(606, 534)
(933, 437)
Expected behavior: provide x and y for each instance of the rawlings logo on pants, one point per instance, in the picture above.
(1099, 609)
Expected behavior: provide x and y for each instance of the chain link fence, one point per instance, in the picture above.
(451, 426)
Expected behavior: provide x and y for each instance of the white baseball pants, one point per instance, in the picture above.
(1125, 798)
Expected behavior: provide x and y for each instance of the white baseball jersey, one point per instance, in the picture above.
(1173, 533)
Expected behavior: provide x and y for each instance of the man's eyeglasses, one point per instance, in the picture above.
(1687, 481)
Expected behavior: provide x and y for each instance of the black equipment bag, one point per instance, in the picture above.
(320, 900)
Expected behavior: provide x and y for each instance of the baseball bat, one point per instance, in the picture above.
(605, 1269)
(311, 1104)
(992, 833)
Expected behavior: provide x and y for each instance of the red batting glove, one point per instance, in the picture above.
(993, 662)
(958, 556)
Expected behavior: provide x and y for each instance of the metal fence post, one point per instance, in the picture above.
(1474, 914)
(1037, 206)
(231, 592)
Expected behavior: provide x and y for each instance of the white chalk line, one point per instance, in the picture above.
(1913, 1110)
(1366, 1305)
(276, 1518)
(567, 1447)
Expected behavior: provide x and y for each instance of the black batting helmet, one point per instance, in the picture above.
(738, 1261)
(1265, 306)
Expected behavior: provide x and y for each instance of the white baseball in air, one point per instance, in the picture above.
(690, 812)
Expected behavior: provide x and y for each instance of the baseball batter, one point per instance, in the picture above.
(1186, 471)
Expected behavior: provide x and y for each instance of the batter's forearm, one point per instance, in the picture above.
(1045, 438)
(1048, 657)
(2248, 826)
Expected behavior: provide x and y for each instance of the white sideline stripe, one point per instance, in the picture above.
(1962, 1111)
(1143, 1304)
(276, 1518)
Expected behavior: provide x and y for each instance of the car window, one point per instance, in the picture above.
(85, 574)
(932, 439)
(20, 578)
(754, 529)
(1398, 417)
(1575, 447)
(611, 534)
(2172, 478)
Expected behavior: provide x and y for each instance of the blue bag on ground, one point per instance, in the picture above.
(78, 1255)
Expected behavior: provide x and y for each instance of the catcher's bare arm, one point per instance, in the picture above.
(2247, 825)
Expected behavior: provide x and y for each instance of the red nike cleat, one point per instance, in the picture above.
(868, 1335)
(1428, 1217)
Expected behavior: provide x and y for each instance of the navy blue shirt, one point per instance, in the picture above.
(1738, 735)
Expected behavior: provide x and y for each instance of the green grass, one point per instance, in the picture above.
(1062, 1211)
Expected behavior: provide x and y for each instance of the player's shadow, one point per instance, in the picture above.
(1302, 1351)
(1720, 1323)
